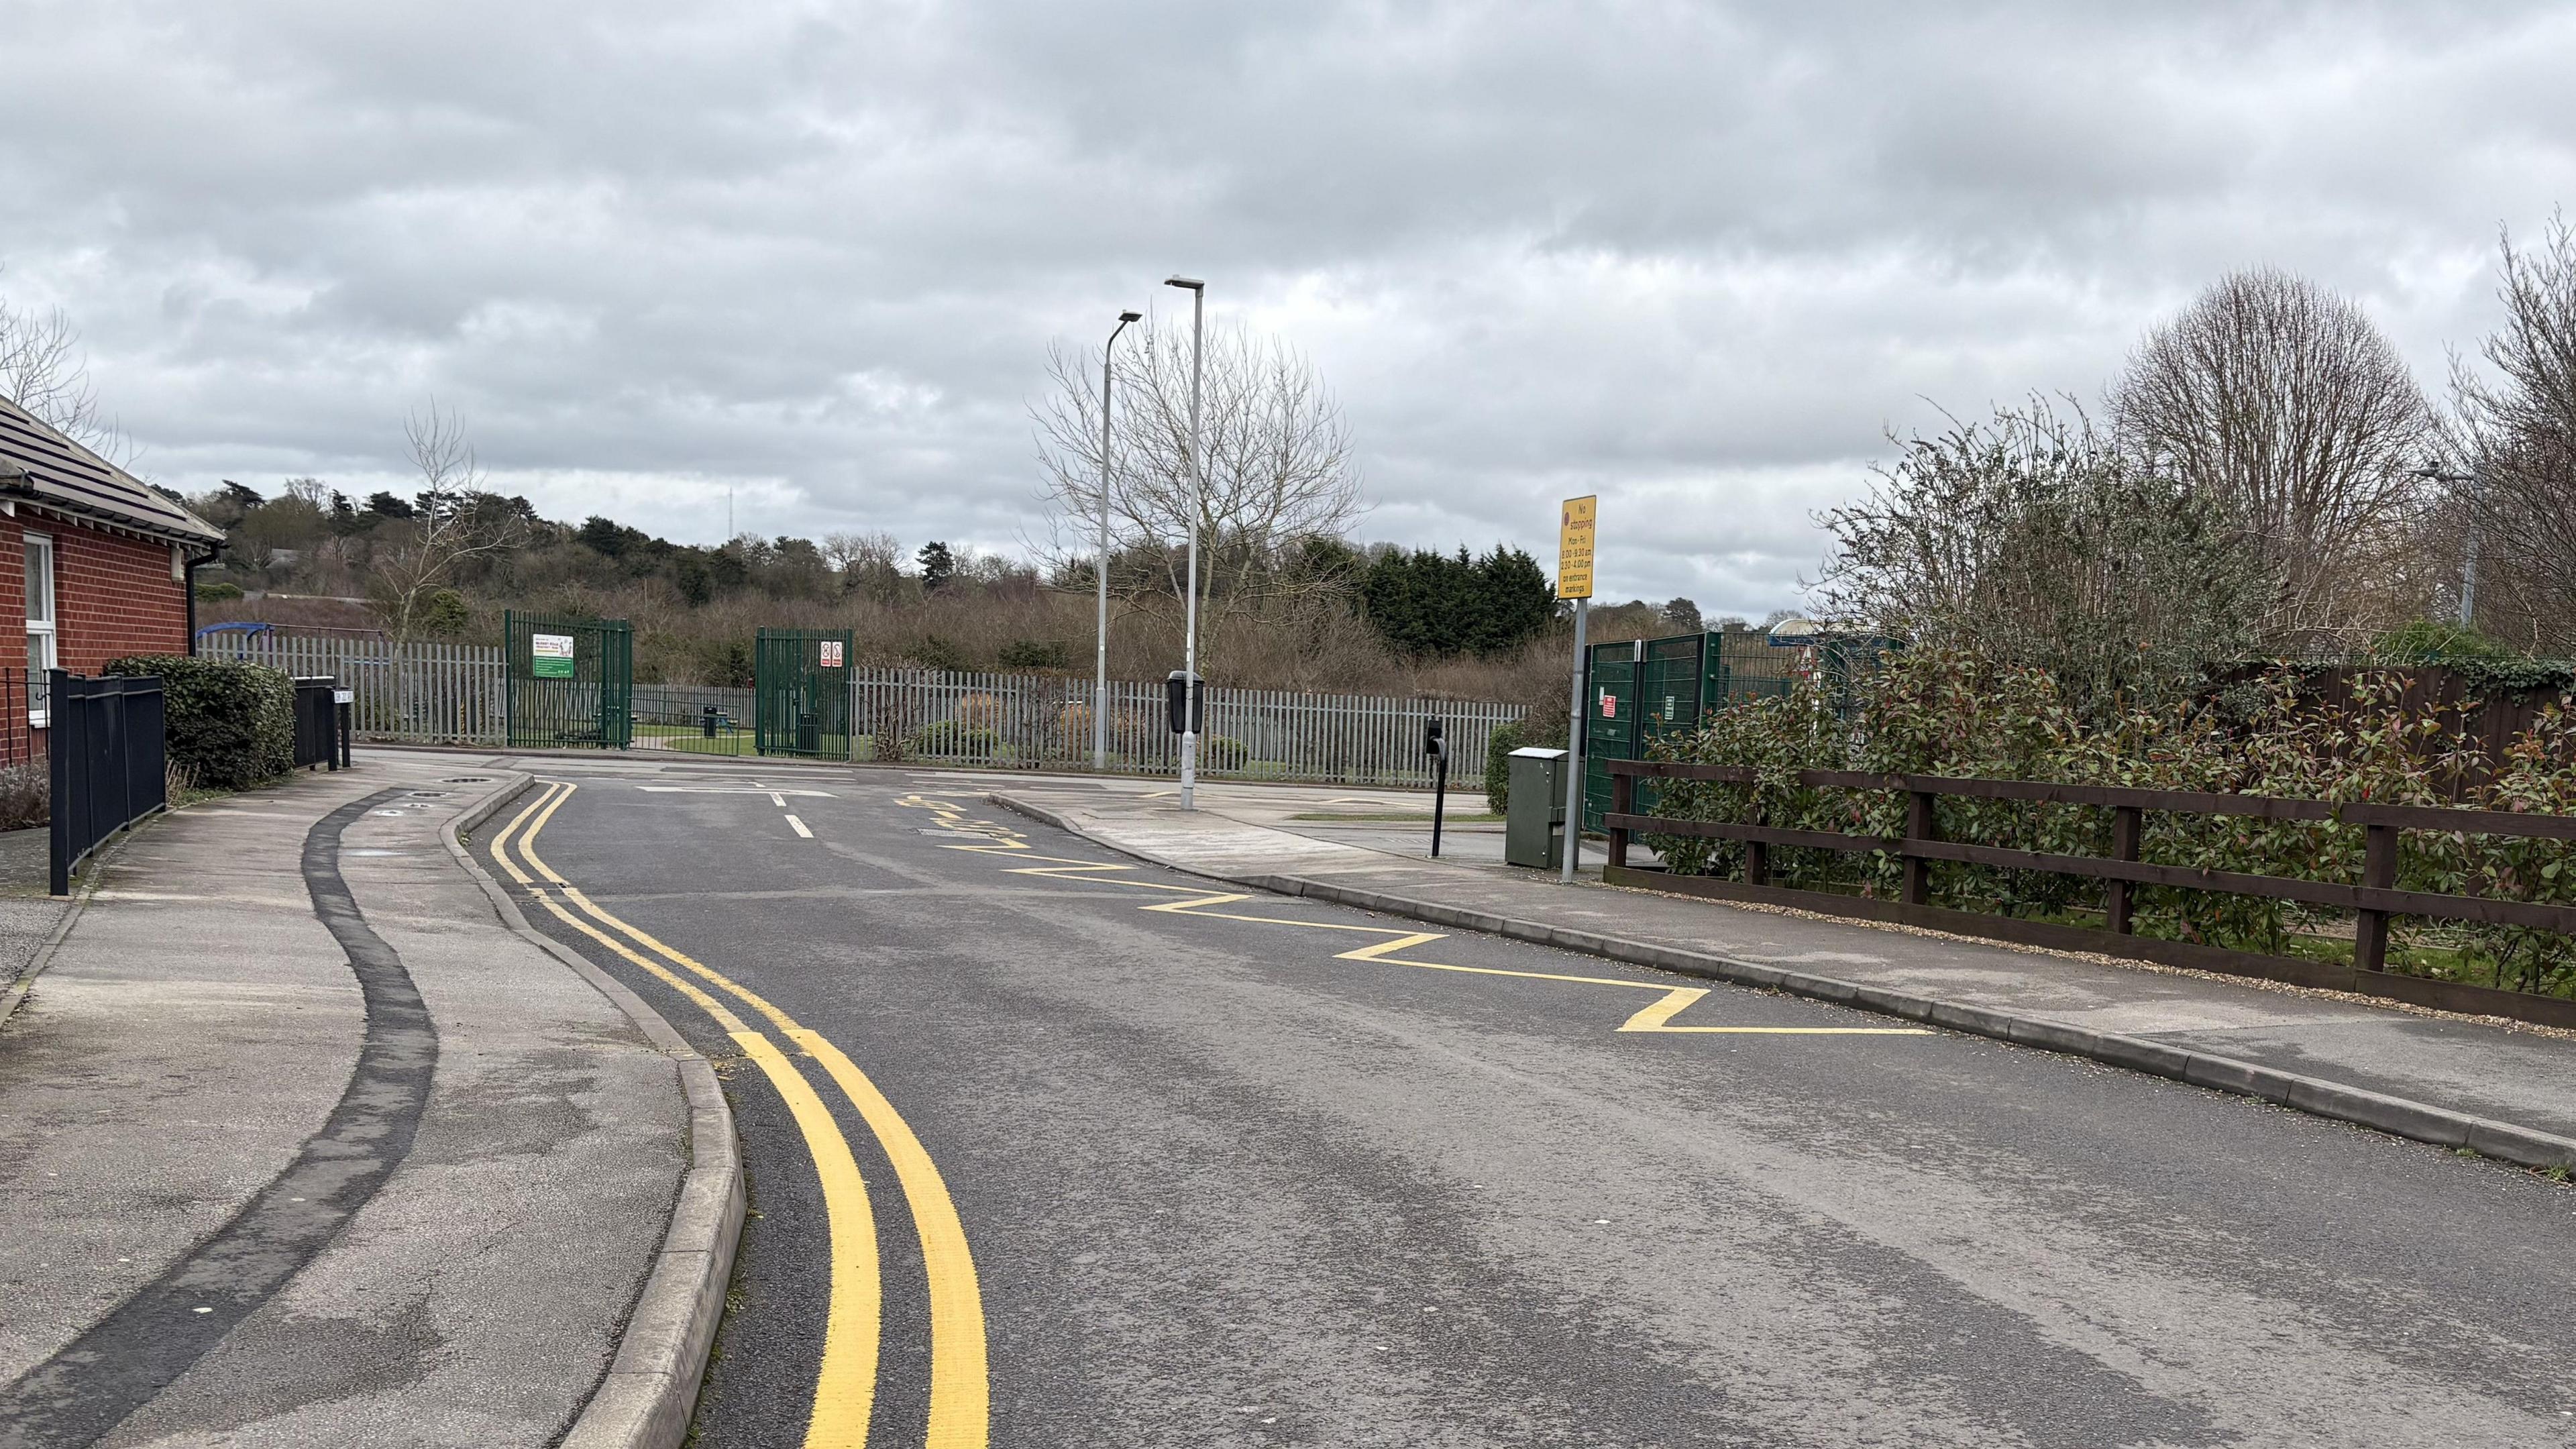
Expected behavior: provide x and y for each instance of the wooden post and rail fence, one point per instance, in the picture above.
(2373, 899)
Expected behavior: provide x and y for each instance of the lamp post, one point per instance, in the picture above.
(1100, 645)
(1190, 604)
(2435, 472)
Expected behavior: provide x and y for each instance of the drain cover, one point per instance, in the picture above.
(431, 794)
(467, 780)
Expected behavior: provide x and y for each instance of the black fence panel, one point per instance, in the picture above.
(106, 742)
(317, 722)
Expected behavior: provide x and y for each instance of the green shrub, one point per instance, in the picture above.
(1036, 654)
(952, 738)
(1498, 765)
(231, 725)
(1935, 712)
(218, 591)
(1222, 752)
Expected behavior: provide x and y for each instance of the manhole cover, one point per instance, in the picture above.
(467, 780)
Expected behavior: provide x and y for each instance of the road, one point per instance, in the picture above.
(1054, 1146)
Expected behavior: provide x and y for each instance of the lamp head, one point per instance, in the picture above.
(1126, 317)
(1191, 283)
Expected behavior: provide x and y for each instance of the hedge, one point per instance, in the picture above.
(1935, 712)
(230, 725)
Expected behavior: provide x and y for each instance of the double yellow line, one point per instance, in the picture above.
(845, 1384)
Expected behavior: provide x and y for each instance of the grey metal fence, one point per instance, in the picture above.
(427, 692)
(1036, 721)
(683, 704)
(452, 694)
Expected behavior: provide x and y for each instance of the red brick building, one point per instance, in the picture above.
(106, 558)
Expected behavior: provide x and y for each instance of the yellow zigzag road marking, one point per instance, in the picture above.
(845, 1385)
(1655, 1017)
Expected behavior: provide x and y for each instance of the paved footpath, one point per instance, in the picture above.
(2510, 1091)
(301, 1144)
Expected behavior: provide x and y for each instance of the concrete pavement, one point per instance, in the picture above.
(301, 1144)
(2520, 1082)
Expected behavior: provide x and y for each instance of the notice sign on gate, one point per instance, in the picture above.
(831, 654)
(550, 656)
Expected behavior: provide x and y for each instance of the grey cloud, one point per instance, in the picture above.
(1695, 257)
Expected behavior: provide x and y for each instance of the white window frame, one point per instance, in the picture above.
(39, 714)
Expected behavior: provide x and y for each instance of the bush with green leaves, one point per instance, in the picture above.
(1934, 712)
(950, 738)
(230, 724)
(1498, 766)
(1223, 753)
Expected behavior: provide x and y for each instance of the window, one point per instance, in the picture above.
(40, 624)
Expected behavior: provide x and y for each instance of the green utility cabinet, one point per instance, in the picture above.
(1534, 821)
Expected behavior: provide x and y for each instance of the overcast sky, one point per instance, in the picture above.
(1696, 258)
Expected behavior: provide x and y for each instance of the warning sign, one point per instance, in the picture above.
(1609, 705)
(1574, 547)
(831, 654)
(550, 656)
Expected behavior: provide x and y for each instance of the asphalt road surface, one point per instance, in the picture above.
(1072, 1151)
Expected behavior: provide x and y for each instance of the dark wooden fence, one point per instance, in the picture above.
(107, 746)
(2373, 899)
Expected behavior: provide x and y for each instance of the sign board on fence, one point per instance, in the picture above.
(1609, 705)
(551, 656)
(831, 654)
(344, 696)
(1574, 548)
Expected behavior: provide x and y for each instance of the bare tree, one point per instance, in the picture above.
(2284, 403)
(459, 520)
(2521, 427)
(1277, 462)
(43, 370)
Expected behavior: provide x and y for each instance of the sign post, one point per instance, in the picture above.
(1574, 581)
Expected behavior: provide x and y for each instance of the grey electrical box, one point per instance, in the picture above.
(1534, 821)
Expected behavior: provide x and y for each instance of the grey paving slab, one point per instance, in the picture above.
(197, 1026)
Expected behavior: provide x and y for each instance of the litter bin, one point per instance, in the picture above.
(1534, 822)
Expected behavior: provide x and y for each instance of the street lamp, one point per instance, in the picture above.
(1190, 605)
(1100, 649)
(2434, 472)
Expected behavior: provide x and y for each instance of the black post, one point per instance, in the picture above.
(348, 716)
(1439, 798)
(58, 768)
(1438, 749)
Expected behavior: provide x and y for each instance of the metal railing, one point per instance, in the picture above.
(20, 743)
(452, 694)
(429, 693)
(106, 744)
(1037, 721)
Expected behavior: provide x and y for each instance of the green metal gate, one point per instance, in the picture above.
(1609, 723)
(801, 692)
(568, 682)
